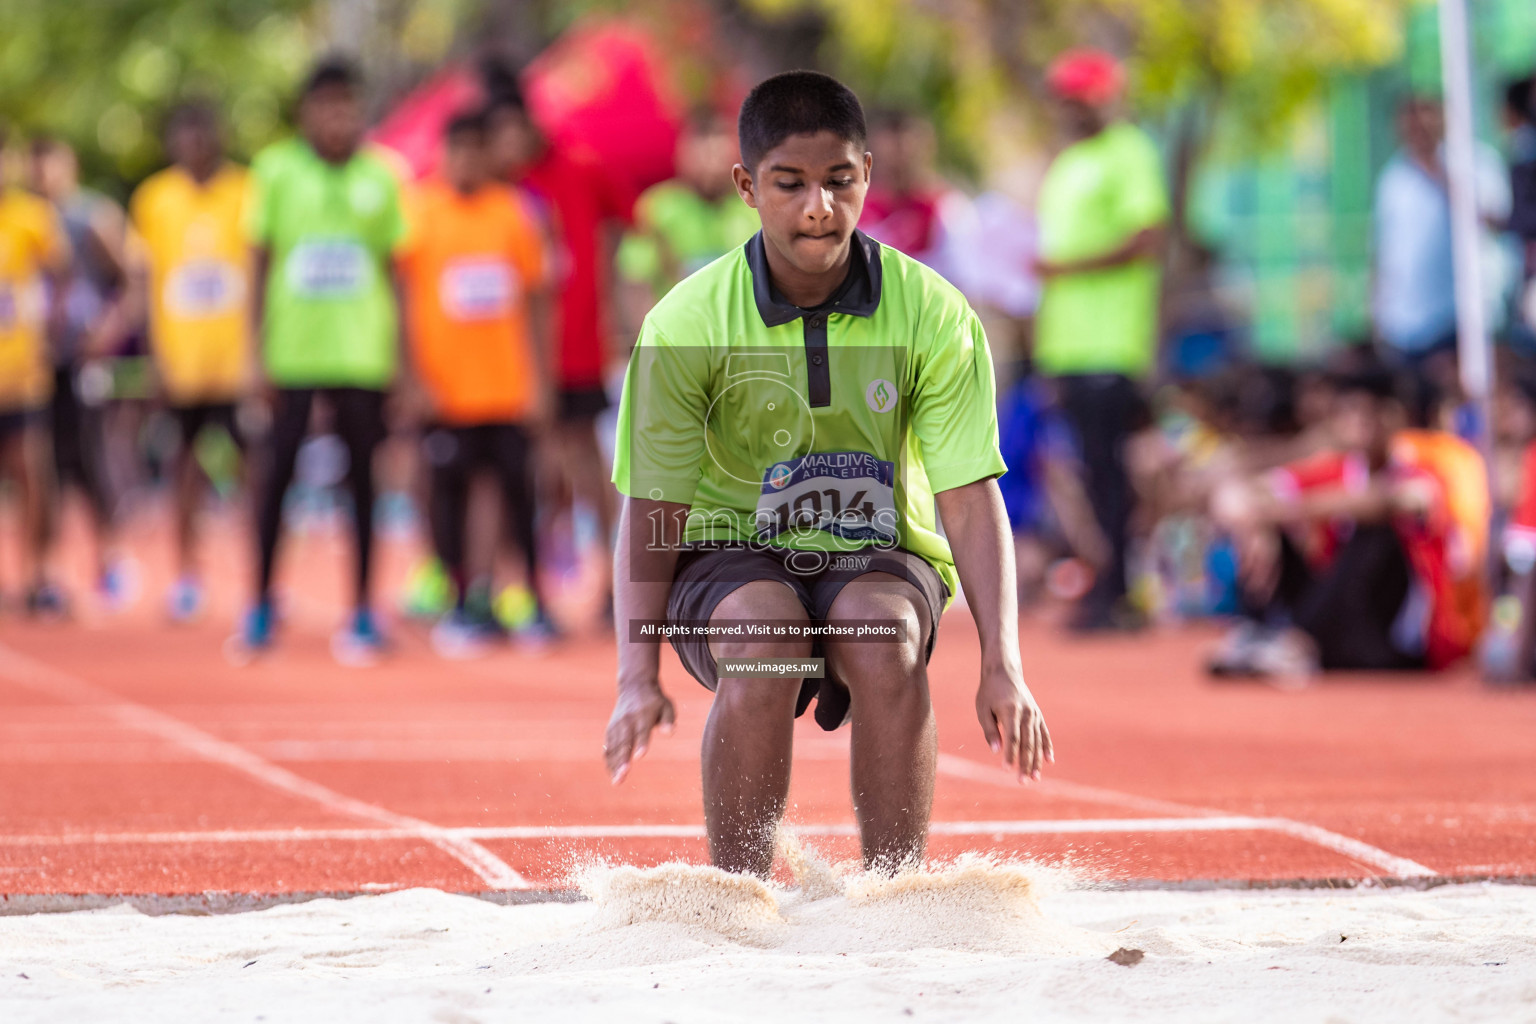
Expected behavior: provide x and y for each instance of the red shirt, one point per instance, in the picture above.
(1445, 545)
(578, 196)
(908, 223)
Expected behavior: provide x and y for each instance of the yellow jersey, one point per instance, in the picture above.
(199, 281)
(32, 241)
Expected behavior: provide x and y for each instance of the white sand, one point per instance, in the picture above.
(685, 944)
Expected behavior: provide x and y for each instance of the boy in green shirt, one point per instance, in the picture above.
(325, 220)
(793, 414)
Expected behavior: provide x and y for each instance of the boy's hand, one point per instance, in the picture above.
(1012, 722)
(640, 708)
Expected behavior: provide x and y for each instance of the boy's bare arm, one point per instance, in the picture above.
(643, 564)
(977, 527)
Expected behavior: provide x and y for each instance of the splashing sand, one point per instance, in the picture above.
(1463, 953)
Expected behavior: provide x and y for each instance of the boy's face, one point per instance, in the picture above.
(1363, 423)
(809, 191)
(332, 121)
(193, 144)
(464, 162)
(511, 142)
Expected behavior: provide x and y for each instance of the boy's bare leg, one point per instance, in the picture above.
(749, 737)
(895, 741)
(37, 488)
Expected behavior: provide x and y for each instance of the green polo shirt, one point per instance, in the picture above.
(330, 316)
(1096, 195)
(827, 429)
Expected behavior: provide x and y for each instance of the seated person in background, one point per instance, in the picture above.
(1365, 556)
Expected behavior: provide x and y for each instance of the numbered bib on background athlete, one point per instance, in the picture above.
(848, 494)
(331, 269)
(203, 288)
(10, 314)
(477, 289)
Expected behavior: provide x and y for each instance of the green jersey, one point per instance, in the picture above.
(679, 231)
(824, 429)
(330, 316)
(1097, 194)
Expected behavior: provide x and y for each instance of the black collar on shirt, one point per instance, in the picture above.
(858, 295)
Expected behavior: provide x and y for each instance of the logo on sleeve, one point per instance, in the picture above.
(880, 396)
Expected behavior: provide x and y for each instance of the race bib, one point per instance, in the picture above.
(331, 269)
(202, 288)
(477, 289)
(848, 494)
(9, 314)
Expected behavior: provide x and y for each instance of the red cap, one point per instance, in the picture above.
(1088, 76)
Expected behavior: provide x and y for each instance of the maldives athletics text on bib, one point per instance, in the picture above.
(848, 494)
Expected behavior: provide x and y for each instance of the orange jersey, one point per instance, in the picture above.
(469, 264)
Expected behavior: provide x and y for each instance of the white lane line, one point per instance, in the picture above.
(1042, 826)
(63, 686)
(1355, 849)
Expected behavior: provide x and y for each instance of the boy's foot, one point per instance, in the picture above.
(361, 643)
(255, 636)
(186, 599)
(47, 601)
(461, 636)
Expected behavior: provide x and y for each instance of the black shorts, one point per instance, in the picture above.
(582, 403)
(192, 419)
(16, 421)
(706, 576)
(465, 448)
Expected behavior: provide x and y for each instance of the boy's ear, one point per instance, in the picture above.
(869, 163)
(745, 187)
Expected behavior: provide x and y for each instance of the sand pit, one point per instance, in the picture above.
(976, 940)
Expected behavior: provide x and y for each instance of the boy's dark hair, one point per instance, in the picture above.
(197, 112)
(329, 73)
(466, 126)
(1520, 98)
(503, 91)
(797, 103)
(1376, 381)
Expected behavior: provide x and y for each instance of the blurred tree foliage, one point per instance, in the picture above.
(1254, 64)
(102, 73)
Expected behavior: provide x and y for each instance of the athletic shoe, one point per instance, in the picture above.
(47, 601)
(539, 631)
(429, 593)
(461, 635)
(515, 607)
(186, 600)
(362, 643)
(1233, 657)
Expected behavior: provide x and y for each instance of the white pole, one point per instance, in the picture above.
(1474, 346)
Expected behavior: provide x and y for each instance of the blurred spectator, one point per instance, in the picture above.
(91, 326)
(1415, 293)
(34, 251)
(692, 220)
(1102, 209)
(584, 205)
(1520, 123)
(902, 209)
(473, 263)
(1366, 556)
(325, 219)
(189, 219)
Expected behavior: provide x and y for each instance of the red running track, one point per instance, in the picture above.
(135, 760)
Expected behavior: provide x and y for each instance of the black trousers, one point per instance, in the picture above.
(80, 443)
(456, 454)
(1349, 608)
(1104, 409)
(357, 416)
